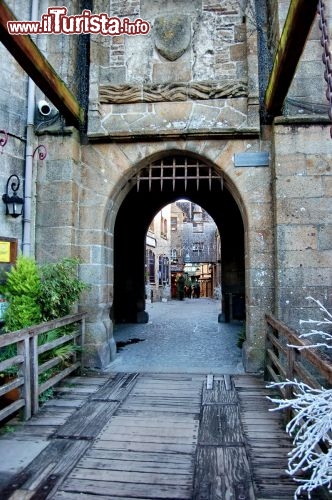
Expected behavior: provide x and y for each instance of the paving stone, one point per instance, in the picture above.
(180, 337)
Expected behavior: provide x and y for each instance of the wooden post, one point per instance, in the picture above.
(82, 340)
(39, 69)
(34, 374)
(23, 349)
(300, 17)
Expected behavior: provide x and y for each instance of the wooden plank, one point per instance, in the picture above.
(37, 431)
(57, 342)
(116, 389)
(23, 348)
(137, 421)
(8, 363)
(128, 490)
(12, 337)
(139, 438)
(90, 380)
(125, 476)
(39, 69)
(47, 420)
(300, 17)
(209, 382)
(180, 421)
(142, 447)
(271, 337)
(57, 378)
(64, 403)
(222, 473)
(87, 422)
(12, 408)
(66, 495)
(58, 458)
(147, 430)
(274, 360)
(15, 383)
(218, 395)
(136, 466)
(166, 393)
(170, 459)
(220, 425)
(136, 450)
(273, 443)
(34, 375)
(160, 408)
(87, 390)
(228, 382)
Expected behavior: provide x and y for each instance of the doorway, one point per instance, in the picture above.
(154, 186)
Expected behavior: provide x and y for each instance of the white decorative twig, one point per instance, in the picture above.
(311, 426)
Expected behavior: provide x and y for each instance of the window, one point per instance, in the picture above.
(197, 227)
(174, 223)
(163, 227)
(151, 267)
(163, 273)
(198, 246)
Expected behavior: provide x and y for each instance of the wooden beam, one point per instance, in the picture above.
(39, 69)
(300, 17)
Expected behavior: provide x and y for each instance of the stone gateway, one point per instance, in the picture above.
(190, 93)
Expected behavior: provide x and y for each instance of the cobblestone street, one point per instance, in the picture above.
(180, 337)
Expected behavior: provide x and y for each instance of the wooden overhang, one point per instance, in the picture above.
(300, 17)
(39, 69)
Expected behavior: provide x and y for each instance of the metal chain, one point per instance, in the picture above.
(327, 57)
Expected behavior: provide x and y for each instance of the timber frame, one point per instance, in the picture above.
(300, 17)
(299, 20)
(29, 57)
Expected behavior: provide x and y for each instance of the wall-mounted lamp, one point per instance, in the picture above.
(14, 204)
(3, 140)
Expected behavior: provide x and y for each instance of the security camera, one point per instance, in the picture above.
(44, 108)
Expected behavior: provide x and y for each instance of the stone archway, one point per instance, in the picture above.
(101, 181)
(163, 181)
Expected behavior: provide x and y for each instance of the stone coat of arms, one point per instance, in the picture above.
(172, 34)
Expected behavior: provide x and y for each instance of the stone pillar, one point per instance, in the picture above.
(303, 235)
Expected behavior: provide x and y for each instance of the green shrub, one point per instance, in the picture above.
(22, 312)
(22, 290)
(41, 293)
(60, 288)
(22, 279)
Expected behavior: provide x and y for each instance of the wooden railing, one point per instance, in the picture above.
(284, 362)
(28, 368)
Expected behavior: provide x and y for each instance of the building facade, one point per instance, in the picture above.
(178, 111)
(194, 248)
(157, 257)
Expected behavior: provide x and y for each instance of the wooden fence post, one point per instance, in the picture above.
(34, 373)
(24, 350)
(82, 339)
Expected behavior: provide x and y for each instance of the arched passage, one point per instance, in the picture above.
(162, 182)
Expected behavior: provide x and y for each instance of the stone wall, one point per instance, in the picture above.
(194, 72)
(149, 99)
(306, 94)
(105, 170)
(303, 189)
(13, 102)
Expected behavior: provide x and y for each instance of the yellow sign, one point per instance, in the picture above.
(4, 251)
